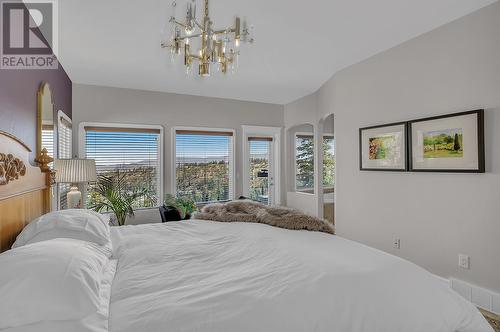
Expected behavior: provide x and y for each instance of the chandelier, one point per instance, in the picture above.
(214, 47)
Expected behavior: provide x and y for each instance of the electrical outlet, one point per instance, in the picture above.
(464, 261)
(397, 243)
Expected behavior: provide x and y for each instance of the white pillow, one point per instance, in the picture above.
(50, 281)
(79, 224)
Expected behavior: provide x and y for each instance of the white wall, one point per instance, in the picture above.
(436, 215)
(114, 105)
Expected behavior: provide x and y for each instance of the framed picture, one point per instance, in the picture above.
(448, 143)
(383, 148)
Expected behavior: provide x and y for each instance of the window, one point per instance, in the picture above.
(328, 161)
(64, 151)
(132, 154)
(204, 165)
(260, 170)
(65, 137)
(304, 162)
(48, 139)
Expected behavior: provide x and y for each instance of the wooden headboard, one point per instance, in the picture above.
(24, 189)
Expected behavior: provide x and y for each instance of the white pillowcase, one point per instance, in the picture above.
(95, 322)
(79, 224)
(50, 281)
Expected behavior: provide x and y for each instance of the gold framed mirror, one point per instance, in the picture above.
(45, 122)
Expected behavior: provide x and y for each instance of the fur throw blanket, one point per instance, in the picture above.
(250, 211)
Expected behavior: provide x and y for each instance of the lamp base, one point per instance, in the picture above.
(74, 198)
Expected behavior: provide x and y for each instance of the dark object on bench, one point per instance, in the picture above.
(169, 213)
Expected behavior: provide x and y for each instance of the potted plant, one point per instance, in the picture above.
(175, 209)
(111, 194)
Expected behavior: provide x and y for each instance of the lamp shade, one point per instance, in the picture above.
(75, 170)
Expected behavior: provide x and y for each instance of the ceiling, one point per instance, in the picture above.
(299, 44)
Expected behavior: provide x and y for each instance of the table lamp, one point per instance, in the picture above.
(75, 171)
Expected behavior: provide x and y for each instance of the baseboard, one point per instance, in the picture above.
(481, 297)
(443, 280)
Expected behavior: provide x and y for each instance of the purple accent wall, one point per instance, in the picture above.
(18, 100)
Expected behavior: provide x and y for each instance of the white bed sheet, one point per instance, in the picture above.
(217, 277)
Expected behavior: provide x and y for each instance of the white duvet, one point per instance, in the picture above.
(227, 277)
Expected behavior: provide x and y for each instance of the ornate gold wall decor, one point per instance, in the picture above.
(26, 196)
(11, 168)
(44, 160)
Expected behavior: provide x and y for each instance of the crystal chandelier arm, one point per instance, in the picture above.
(236, 29)
(197, 35)
(199, 26)
(188, 56)
(194, 56)
(223, 31)
(183, 25)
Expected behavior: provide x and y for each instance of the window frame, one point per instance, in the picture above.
(161, 148)
(313, 188)
(264, 131)
(332, 136)
(232, 157)
(61, 116)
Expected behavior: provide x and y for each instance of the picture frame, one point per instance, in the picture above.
(447, 143)
(384, 147)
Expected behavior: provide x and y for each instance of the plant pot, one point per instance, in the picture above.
(169, 213)
(112, 220)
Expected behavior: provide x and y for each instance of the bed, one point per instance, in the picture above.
(211, 276)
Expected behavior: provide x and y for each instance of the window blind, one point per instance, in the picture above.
(203, 165)
(64, 151)
(48, 139)
(132, 155)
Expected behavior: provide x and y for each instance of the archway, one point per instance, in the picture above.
(301, 168)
